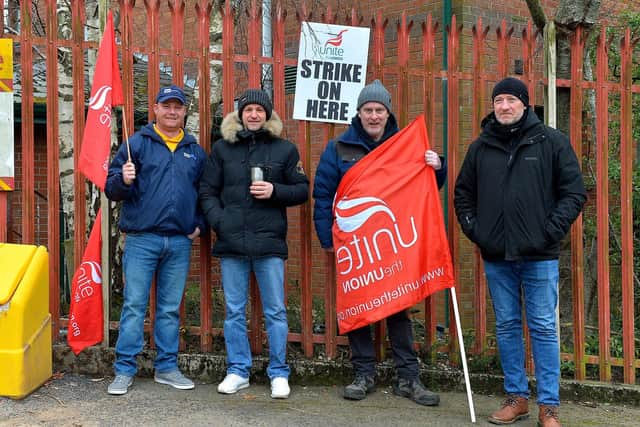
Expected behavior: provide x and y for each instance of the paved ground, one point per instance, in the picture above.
(72, 400)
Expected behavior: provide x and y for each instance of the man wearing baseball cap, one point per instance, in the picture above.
(156, 178)
(373, 124)
(519, 190)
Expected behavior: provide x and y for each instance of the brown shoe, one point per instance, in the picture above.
(548, 416)
(513, 409)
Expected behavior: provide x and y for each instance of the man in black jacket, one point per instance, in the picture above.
(250, 178)
(519, 190)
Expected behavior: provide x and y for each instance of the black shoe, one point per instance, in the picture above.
(359, 388)
(416, 391)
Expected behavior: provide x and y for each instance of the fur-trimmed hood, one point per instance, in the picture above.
(232, 126)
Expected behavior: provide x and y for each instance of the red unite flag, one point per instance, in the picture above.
(106, 92)
(391, 248)
(85, 313)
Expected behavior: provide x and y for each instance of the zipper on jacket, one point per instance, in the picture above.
(245, 229)
(173, 181)
(507, 244)
(529, 141)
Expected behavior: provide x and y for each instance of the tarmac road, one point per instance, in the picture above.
(73, 400)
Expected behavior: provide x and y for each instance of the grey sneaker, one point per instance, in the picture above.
(175, 379)
(120, 385)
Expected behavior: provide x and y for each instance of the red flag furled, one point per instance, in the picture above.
(106, 92)
(85, 313)
(391, 247)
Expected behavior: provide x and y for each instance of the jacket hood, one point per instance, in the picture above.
(232, 128)
(356, 134)
(491, 126)
(148, 131)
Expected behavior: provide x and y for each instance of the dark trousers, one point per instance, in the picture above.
(399, 329)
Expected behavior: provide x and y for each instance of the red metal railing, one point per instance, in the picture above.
(415, 79)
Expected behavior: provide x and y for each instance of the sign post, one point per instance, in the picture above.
(7, 159)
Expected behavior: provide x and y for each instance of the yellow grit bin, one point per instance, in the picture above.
(25, 322)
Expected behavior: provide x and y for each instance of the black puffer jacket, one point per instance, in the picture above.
(244, 225)
(516, 197)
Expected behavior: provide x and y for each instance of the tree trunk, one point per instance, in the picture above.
(65, 135)
(215, 75)
(568, 16)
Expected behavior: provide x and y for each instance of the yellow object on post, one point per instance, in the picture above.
(25, 322)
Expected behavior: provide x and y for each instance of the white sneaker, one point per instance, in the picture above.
(232, 383)
(280, 388)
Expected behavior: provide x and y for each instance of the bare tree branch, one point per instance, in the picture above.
(537, 13)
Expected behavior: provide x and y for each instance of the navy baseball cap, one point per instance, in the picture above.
(171, 92)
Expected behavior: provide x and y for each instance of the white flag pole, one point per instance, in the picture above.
(463, 356)
(106, 224)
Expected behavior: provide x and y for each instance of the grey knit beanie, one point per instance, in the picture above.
(375, 92)
(512, 86)
(255, 96)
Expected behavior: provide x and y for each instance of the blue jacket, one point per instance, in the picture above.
(164, 196)
(354, 144)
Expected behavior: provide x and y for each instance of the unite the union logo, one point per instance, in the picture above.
(352, 214)
(332, 48)
(94, 269)
(99, 99)
(365, 244)
(337, 40)
(89, 275)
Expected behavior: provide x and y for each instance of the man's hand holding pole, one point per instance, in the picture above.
(128, 173)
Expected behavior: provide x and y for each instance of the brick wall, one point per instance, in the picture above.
(15, 197)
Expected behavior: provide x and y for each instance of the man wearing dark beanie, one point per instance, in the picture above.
(519, 190)
(512, 86)
(249, 180)
(255, 96)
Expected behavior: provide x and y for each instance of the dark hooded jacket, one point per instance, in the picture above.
(246, 226)
(517, 194)
(338, 157)
(164, 196)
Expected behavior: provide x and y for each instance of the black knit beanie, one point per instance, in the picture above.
(255, 96)
(512, 86)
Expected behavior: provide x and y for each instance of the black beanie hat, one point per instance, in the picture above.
(512, 86)
(255, 96)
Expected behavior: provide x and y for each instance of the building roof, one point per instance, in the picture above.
(140, 68)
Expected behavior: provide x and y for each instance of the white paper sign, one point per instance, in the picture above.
(332, 69)
(6, 135)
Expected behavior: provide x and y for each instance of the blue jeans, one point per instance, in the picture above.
(146, 255)
(269, 273)
(536, 282)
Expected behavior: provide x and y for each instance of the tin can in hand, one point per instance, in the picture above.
(257, 174)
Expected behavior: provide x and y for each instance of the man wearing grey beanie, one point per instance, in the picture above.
(372, 126)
